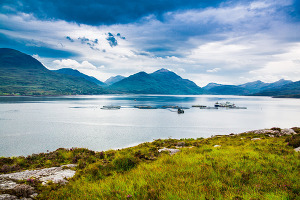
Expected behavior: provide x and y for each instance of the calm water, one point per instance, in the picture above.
(37, 124)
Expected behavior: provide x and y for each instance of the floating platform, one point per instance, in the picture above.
(144, 107)
(111, 107)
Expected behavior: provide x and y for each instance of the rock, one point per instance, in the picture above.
(54, 174)
(23, 190)
(217, 146)
(7, 184)
(256, 139)
(287, 131)
(172, 151)
(180, 144)
(7, 197)
(297, 149)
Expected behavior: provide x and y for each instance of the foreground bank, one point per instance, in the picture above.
(254, 165)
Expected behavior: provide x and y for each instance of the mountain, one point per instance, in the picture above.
(114, 79)
(287, 90)
(159, 82)
(21, 74)
(243, 89)
(227, 90)
(276, 84)
(74, 72)
(255, 86)
(211, 85)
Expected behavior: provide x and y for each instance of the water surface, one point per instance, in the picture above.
(37, 124)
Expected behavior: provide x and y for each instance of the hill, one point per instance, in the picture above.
(21, 74)
(251, 88)
(74, 72)
(159, 82)
(291, 90)
(114, 79)
(227, 90)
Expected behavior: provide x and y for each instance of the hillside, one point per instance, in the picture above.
(160, 82)
(76, 73)
(291, 90)
(21, 74)
(259, 164)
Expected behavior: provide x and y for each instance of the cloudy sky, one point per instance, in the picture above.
(227, 42)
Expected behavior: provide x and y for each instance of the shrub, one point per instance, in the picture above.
(276, 129)
(294, 141)
(124, 163)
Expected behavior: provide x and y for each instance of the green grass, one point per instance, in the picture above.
(239, 169)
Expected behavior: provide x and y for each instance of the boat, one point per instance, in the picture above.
(228, 105)
(111, 107)
(180, 111)
(224, 105)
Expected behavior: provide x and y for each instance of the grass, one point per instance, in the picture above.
(239, 169)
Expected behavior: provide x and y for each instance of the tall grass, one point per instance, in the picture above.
(239, 169)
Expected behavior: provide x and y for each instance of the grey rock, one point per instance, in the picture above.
(7, 197)
(172, 151)
(288, 131)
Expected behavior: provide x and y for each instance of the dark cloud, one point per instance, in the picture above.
(89, 42)
(95, 12)
(119, 35)
(112, 40)
(33, 47)
(83, 40)
(69, 38)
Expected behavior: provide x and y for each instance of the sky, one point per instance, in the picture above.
(227, 42)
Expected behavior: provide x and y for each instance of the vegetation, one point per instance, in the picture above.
(21, 74)
(291, 90)
(159, 82)
(239, 168)
(76, 73)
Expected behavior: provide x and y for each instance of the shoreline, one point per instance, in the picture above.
(43, 175)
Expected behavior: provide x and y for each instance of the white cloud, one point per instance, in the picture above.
(213, 70)
(69, 63)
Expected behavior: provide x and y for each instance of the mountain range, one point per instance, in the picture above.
(21, 74)
(161, 81)
(256, 88)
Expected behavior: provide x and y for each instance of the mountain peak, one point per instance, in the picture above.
(162, 70)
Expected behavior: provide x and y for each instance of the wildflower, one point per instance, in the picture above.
(129, 196)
